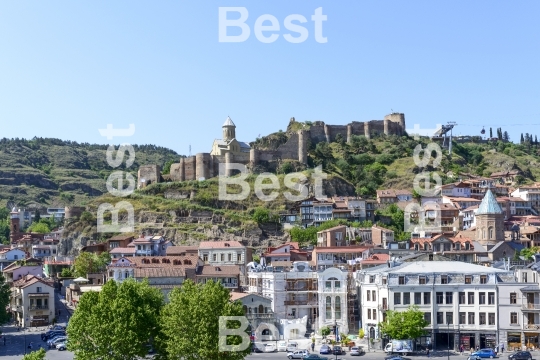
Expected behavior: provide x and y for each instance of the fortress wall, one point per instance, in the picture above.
(189, 168)
(333, 130)
(289, 150)
(398, 118)
(376, 127)
(394, 128)
(215, 164)
(268, 155)
(203, 165)
(150, 173)
(357, 128)
(316, 132)
(177, 171)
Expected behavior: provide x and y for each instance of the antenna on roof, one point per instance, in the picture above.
(189, 149)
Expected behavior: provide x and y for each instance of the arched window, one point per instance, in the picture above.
(126, 275)
(338, 308)
(261, 309)
(491, 233)
(245, 309)
(328, 307)
(483, 233)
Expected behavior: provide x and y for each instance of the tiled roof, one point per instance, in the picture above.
(159, 272)
(123, 250)
(228, 122)
(489, 205)
(340, 249)
(29, 280)
(219, 244)
(238, 295)
(210, 270)
(177, 250)
(161, 261)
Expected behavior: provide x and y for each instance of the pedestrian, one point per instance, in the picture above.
(427, 352)
(461, 349)
(502, 348)
(312, 346)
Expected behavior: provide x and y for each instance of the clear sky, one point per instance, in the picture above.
(69, 68)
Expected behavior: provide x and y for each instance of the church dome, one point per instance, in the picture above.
(228, 122)
(489, 205)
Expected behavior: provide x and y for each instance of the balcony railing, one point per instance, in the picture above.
(230, 285)
(301, 288)
(16, 308)
(532, 326)
(531, 306)
(383, 307)
(39, 307)
(300, 302)
(253, 316)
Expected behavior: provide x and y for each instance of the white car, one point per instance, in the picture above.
(61, 346)
(282, 346)
(356, 351)
(298, 354)
(269, 348)
(292, 346)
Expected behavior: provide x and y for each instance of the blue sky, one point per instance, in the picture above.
(69, 68)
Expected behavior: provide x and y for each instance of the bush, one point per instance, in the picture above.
(261, 215)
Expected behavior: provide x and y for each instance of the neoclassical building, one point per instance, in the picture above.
(333, 299)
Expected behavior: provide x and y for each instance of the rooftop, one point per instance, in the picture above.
(444, 267)
(489, 205)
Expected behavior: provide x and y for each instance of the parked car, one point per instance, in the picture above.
(270, 348)
(55, 338)
(49, 335)
(482, 354)
(57, 341)
(338, 350)
(292, 346)
(325, 349)
(356, 351)
(298, 354)
(315, 357)
(394, 357)
(282, 346)
(61, 346)
(257, 348)
(520, 355)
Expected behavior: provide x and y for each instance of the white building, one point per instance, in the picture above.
(225, 253)
(460, 301)
(32, 301)
(530, 193)
(302, 293)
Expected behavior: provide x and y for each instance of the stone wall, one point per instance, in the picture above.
(150, 174)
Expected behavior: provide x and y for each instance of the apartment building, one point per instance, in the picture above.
(460, 301)
(391, 196)
(32, 301)
(529, 193)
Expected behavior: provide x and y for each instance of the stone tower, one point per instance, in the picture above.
(15, 225)
(229, 130)
(489, 221)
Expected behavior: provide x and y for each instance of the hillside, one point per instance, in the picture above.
(52, 172)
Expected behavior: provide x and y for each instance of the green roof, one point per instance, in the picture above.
(489, 205)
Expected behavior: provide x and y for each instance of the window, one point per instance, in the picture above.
(230, 257)
(427, 298)
(338, 309)
(38, 289)
(513, 298)
(214, 257)
(406, 298)
(369, 314)
(513, 318)
(328, 307)
(328, 284)
(482, 318)
(402, 280)
(417, 298)
(371, 279)
(374, 314)
(440, 318)
(524, 277)
(373, 296)
(470, 298)
(471, 318)
(491, 298)
(368, 295)
(482, 298)
(444, 279)
(397, 298)
(427, 317)
(462, 318)
(462, 298)
(383, 280)
(491, 319)
(449, 297)
(439, 298)
(337, 285)
(422, 280)
(468, 279)
(222, 257)
(483, 279)
(449, 318)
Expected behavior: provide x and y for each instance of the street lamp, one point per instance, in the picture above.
(336, 335)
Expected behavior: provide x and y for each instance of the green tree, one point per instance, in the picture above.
(403, 325)
(35, 355)
(37, 216)
(40, 228)
(116, 323)
(5, 295)
(325, 331)
(66, 273)
(167, 167)
(87, 263)
(261, 215)
(190, 323)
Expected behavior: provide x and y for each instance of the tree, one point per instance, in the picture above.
(37, 216)
(261, 215)
(167, 167)
(116, 323)
(325, 331)
(5, 296)
(404, 325)
(361, 333)
(522, 139)
(190, 323)
(40, 228)
(490, 132)
(35, 355)
(66, 273)
(506, 137)
(87, 263)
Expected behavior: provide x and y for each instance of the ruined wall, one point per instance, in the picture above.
(189, 168)
(203, 166)
(289, 150)
(316, 132)
(177, 171)
(333, 130)
(149, 173)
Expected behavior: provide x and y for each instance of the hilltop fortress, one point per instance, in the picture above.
(229, 150)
